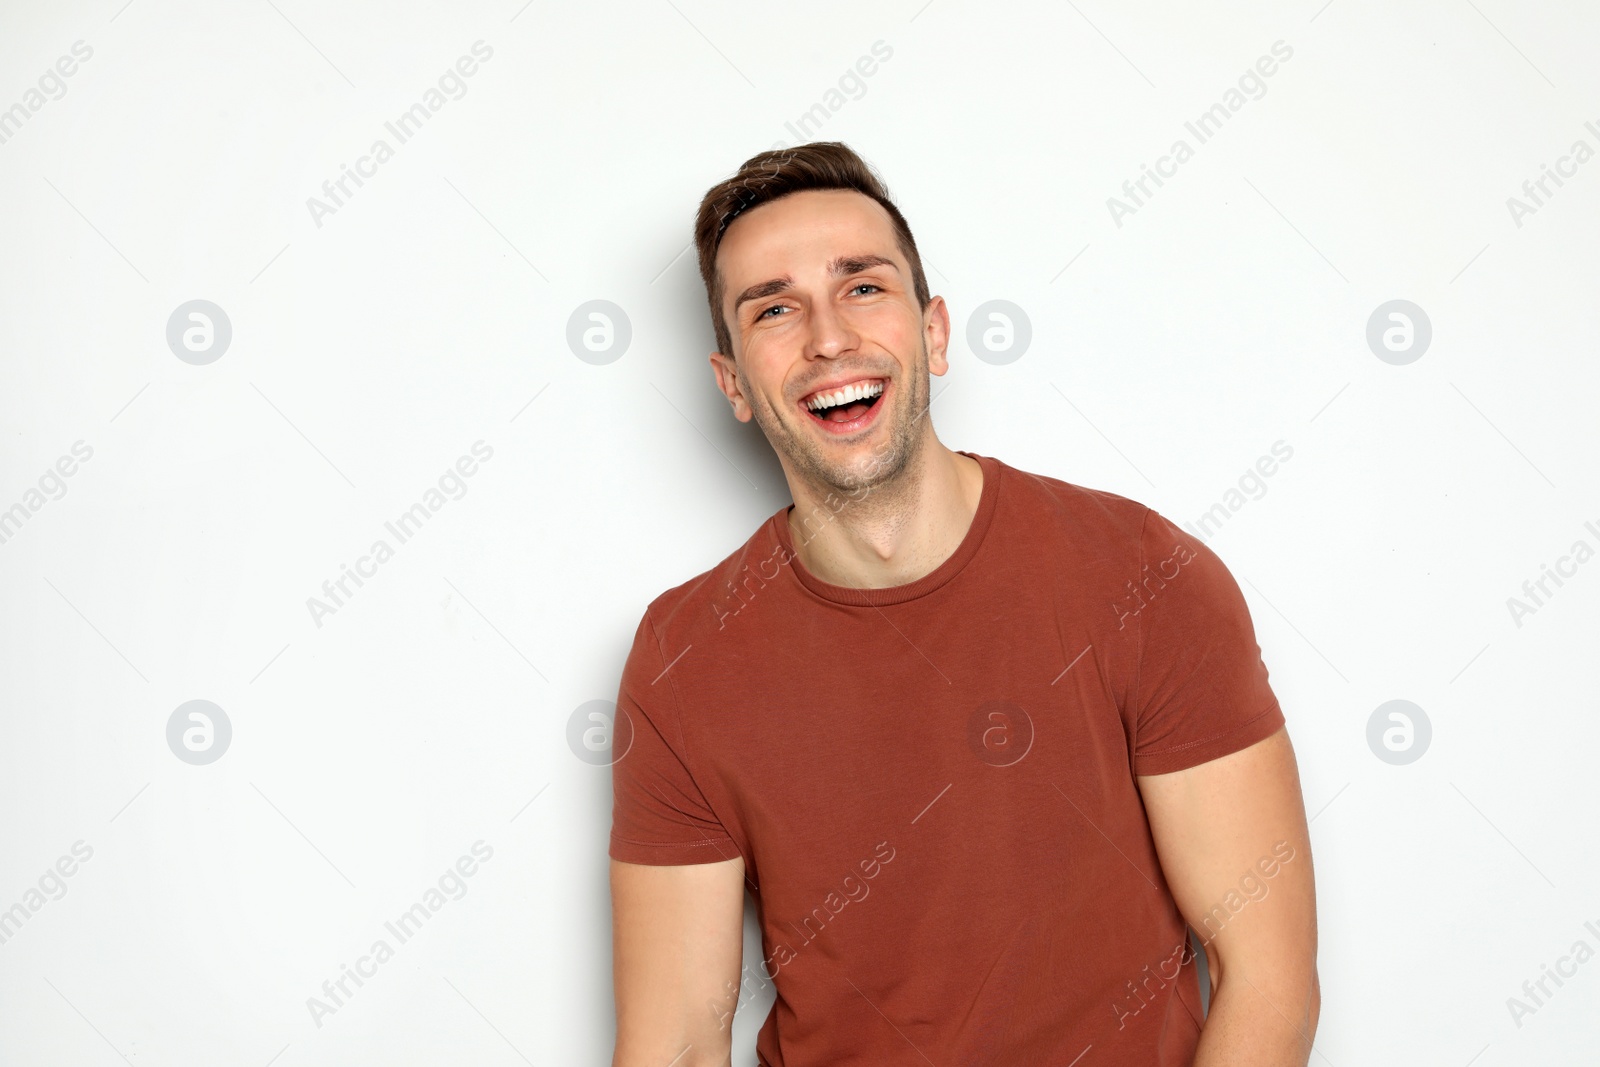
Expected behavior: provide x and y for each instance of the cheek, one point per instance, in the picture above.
(763, 363)
(888, 326)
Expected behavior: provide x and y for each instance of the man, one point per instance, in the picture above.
(979, 742)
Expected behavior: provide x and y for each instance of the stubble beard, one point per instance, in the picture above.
(874, 468)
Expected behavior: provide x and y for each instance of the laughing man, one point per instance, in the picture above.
(982, 744)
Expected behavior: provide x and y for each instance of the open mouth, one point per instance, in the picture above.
(848, 407)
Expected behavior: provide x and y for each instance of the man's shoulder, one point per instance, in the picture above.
(1081, 513)
(690, 604)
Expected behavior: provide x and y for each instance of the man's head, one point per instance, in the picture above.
(814, 283)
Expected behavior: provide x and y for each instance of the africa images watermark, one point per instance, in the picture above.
(1566, 566)
(1153, 578)
(1150, 583)
(1251, 482)
(852, 81)
(403, 528)
(52, 485)
(1537, 190)
(1580, 953)
(51, 882)
(1253, 888)
(52, 81)
(336, 191)
(809, 928)
(403, 929)
(819, 515)
(1202, 128)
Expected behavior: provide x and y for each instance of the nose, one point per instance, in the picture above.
(831, 333)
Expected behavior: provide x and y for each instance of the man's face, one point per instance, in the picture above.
(818, 298)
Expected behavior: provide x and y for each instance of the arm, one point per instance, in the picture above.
(1215, 826)
(677, 939)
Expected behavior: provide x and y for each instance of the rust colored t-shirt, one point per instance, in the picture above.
(932, 785)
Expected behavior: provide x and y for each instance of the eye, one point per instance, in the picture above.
(763, 313)
(865, 285)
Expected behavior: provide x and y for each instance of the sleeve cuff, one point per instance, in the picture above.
(710, 850)
(1259, 728)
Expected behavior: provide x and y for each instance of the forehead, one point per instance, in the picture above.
(802, 231)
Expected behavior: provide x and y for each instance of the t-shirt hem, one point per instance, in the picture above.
(1258, 728)
(711, 850)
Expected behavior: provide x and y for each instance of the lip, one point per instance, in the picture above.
(844, 429)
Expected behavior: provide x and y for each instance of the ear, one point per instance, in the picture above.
(727, 376)
(936, 333)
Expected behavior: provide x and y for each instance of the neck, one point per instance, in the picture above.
(893, 533)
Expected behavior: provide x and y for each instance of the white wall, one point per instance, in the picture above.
(373, 345)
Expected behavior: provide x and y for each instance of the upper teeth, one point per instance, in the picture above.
(858, 391)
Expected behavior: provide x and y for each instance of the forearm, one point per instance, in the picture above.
(1260, 1022)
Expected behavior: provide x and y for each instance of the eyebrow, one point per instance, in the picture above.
(842, 267)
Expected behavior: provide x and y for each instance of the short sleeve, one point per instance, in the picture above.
(1200, 689)
(658, 815)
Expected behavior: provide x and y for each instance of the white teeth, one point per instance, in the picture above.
(858, 391)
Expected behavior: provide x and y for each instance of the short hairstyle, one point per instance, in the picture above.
(776, 173)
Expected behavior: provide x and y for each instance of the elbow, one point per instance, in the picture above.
(1293, 988)
(1297, 995)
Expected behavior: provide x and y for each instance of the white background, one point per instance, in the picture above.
(430, 310)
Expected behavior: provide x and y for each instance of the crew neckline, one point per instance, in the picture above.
(899, 594)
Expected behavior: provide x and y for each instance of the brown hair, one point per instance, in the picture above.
(776, 173)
